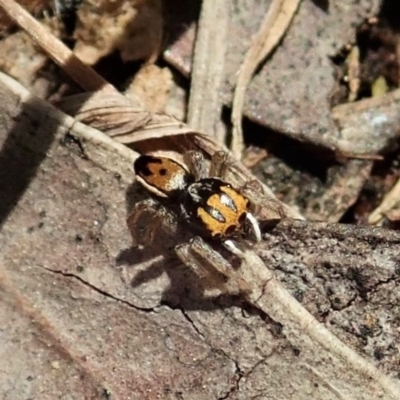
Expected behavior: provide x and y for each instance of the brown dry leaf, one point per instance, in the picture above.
(133, 28)
(35, 7)
(151, 85)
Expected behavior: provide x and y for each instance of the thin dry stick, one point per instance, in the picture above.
(274, 26)
(388, 202)
(82, 74)
(353, 68)
(205, 105)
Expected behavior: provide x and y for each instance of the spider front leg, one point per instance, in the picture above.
(264, 205)
(219, 164)
(196, 163)
(208, 264)
(145, 220)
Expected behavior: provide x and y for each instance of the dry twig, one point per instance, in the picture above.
(274, 26)
(353, 72)
(205, 103)
(82, 74)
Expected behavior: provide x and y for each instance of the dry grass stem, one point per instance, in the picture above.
(274, 26)
(205, 104)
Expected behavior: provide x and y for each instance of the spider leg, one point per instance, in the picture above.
(263, 204)
(254, 224)
(231, 246)
(145, 220)
(195, 162)
(207, 263)
(188, 257)
(198, 253)
(218, 166)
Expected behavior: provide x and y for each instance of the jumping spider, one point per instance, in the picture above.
(201, 199)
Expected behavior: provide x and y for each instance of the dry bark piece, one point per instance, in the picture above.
(346, 276)
(368, 126)
(342, 192)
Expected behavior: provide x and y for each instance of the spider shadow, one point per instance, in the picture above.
(22, 151)
(186, 288)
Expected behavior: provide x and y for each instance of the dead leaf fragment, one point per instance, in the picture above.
(151, 85)
(132, 27)
(353, 72)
